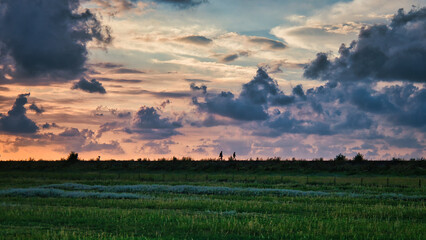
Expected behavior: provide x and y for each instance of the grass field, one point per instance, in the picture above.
(107, 204)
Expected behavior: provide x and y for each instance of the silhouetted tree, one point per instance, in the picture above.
(221, 156)
(73, 157)
(359, 158)
(233, 155)
(340, 158)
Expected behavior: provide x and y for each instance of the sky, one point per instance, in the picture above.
(128, 79)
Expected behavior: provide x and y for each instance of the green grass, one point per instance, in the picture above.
(166, 215)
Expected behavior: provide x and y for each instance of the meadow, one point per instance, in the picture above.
(216, 200)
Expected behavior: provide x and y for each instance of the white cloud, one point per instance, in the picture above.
(329, 27)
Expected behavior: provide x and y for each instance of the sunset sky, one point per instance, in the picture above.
(128, 79)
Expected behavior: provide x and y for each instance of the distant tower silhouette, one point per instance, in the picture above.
(221, 156)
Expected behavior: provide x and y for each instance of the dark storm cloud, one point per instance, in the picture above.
(398, 105)
(271, 44)
(355, 121)
(371, 101)
(262, 89)
(381, 53)
(317, 67)
(183, 4)
(46, 39)
(225, 104)
(252, 103)
(149, 118)
(92, 87)
(202, 88)
(147, 124)
(16, 121)
(36, 109)
(298, 91)
(411, 103)
(198, 40)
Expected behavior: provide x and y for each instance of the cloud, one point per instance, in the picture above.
(106, 127)
(225, 104)
(107, 65)
(276, 66)
(126, 70)
(148, 124)
(192, 80)
(158, 147)
(229, 57)
(164, 103)
(71, 139)
(233, 56)
(36, 109)
(16, 121)
(49, 125)
(117, 7)
(315, 37)
(177, 94)
(198, 40)
(262, 89)
(92, 87)
(395, 52)
(202, 88)
(286, 123)
(112, 146)
(211, 121)
(271, 44)
(46, 40)
(148, 118)
(252, 103)
(182, 4)
(120, 80)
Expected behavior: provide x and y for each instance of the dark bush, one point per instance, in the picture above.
(359, 158)
(73, 157)
(340, 158)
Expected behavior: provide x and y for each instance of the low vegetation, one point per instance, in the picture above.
(212, 200)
